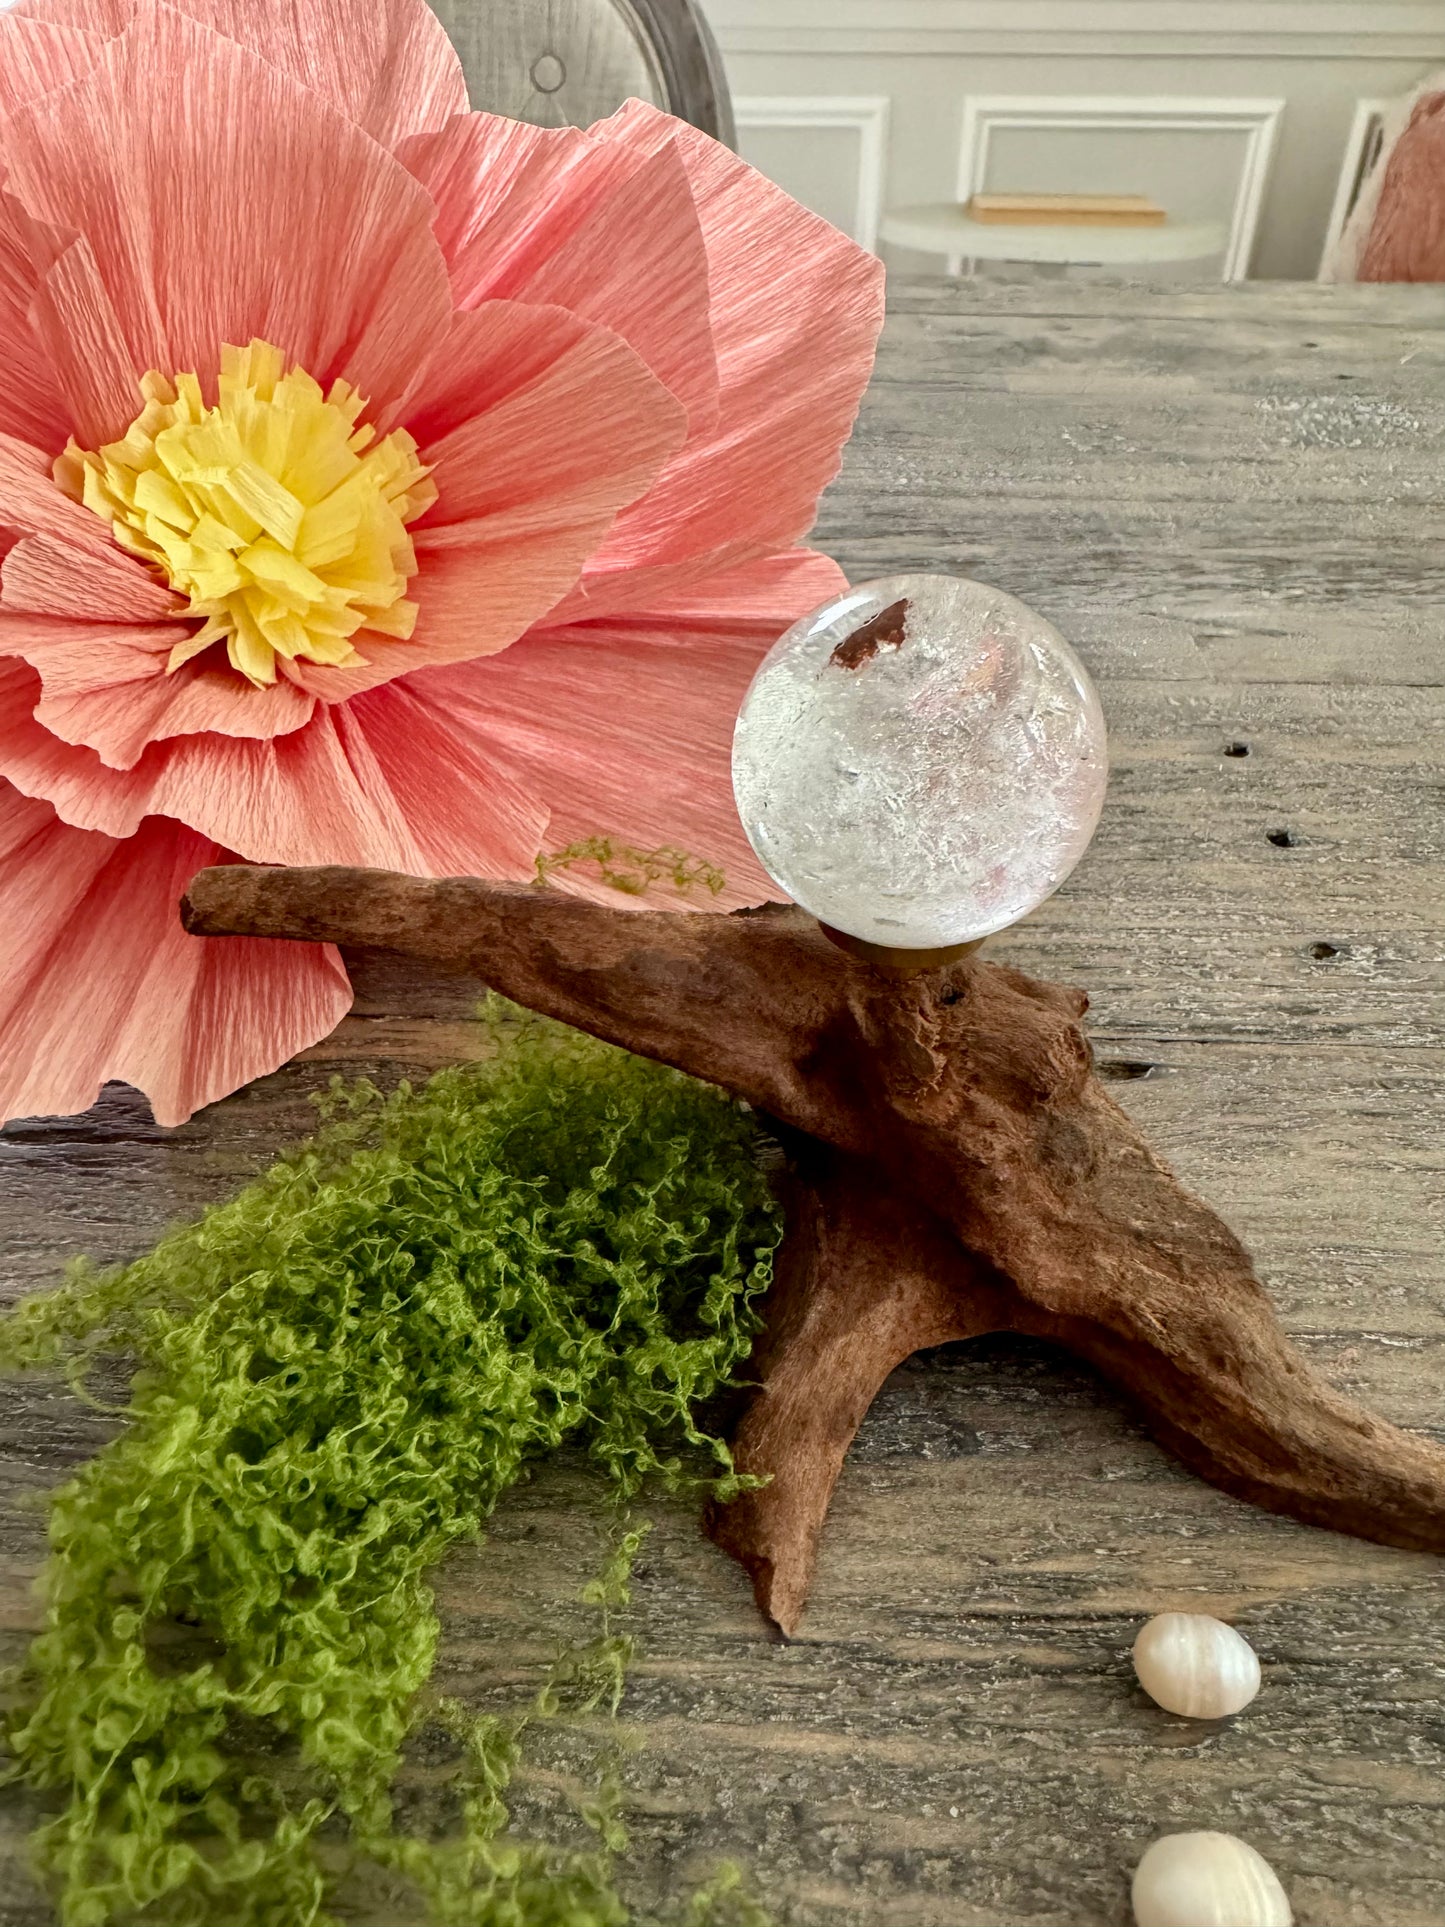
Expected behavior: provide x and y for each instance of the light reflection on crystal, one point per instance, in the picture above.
(926, 782)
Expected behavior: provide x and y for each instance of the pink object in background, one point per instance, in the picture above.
(1406, 241)
(1403, 203)
(630, 363)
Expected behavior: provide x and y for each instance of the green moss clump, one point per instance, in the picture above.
(339, 1373)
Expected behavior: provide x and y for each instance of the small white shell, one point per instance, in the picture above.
(1207, 1880)
(1191, 1664)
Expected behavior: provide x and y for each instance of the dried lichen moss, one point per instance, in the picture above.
(339, 1373)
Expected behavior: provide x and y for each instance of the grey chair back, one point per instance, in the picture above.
(566, 63)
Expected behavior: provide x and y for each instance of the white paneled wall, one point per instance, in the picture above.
(831, 151)
(1241, 111)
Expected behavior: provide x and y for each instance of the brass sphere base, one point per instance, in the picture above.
(904, 963)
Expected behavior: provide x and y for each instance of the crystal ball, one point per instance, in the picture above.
(920, 762)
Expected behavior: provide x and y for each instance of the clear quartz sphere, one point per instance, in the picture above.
(920, 762)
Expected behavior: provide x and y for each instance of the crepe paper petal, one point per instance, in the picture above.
(573, 427)
(389, 782)
(618, 764)
(82, 789)
(585, 429)
(767, 596)
(639, 265)
(470, 812)
(105, 686)
(44, 576)
(625, 729)
(153, 158)
(120, 722)
(499, 353)
(96, 370)
(325, 795)
(31, 504)
(508, 195)
(98, 981)
(31, 406)
(103, 17)
(37, 763)
(796, 311)
(74, 657)
(548, 216)
(387, 65)
(37, 55)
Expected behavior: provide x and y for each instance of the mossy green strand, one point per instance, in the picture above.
(339, 1374)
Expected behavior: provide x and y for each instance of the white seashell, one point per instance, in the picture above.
(1192, 1664)
(1207, 1880)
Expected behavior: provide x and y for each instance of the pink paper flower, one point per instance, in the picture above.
(380, 483)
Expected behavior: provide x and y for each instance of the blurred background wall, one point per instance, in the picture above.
(1249, 112)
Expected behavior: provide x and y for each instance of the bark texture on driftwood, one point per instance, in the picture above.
(964, 1172)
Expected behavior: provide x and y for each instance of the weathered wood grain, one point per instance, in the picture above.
(1243, 557)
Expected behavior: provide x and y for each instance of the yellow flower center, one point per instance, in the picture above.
(281, 520)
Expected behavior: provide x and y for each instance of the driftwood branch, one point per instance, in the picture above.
(963, 1171)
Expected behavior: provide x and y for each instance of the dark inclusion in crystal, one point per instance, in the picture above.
(864, 643)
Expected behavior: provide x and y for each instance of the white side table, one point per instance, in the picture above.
(944, 228)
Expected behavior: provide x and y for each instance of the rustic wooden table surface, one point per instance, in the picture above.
(1230, 498)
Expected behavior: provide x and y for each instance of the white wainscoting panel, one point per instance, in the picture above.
(863, 115)
(1361, 147)
(1195, 56)
(1375, 30)
(1255, 122)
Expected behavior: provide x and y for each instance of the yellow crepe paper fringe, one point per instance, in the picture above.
(277, 513)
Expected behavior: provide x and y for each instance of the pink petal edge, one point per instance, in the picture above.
(98, 981)
(105, 687)
(796, 312)
(387, 65)
(31, 408)
(624, 727)
(335, 262)
(567, 427)
(552, 216)
(389, 781)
